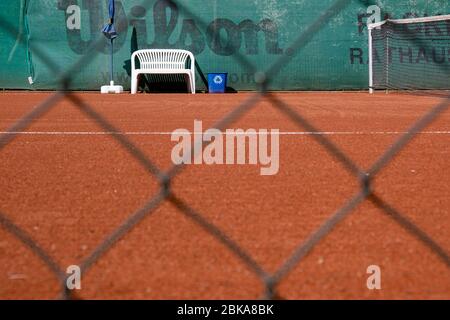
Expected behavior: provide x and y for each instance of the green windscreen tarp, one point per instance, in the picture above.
(334, 56)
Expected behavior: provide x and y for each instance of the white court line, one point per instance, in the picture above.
(162, 133)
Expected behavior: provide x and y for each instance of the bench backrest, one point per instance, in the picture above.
(171, 59)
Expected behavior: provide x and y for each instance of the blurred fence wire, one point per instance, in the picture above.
(263, 80)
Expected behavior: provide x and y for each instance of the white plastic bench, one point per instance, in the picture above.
(163, 61)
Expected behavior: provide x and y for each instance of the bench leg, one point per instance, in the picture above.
(187, 78)
(192, 83)
(134, 83)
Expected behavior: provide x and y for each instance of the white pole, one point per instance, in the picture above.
(214, 19)
(388, 51)
(370, 61)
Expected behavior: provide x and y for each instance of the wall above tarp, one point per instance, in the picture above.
(263, 31)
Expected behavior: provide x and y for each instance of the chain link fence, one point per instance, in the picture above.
(263, 79)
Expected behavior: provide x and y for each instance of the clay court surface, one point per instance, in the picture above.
(69, 186)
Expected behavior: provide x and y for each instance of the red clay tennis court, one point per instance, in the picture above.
(68, 184)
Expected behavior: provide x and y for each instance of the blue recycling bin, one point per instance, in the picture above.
(217, 82)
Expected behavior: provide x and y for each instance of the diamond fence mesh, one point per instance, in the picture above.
(263, 77)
